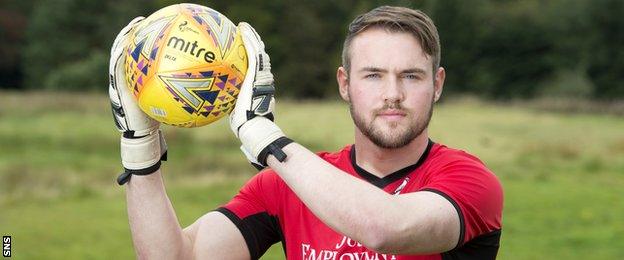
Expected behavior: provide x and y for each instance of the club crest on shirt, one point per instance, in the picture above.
(400, 188)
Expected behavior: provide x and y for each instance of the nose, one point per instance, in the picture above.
(393, 91)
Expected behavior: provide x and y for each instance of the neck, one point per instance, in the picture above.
(381, 161)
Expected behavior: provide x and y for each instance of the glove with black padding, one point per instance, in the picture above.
(252, 117)
(143, 145)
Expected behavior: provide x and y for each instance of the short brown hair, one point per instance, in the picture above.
(396, 19)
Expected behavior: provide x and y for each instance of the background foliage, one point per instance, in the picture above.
(498, 49)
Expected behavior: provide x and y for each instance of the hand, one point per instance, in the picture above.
(142, 143)
(252, 117)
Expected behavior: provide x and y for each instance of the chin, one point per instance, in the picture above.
(393, 143)
(392, 138)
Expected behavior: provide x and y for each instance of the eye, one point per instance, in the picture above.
(411, 76)
(372, 76)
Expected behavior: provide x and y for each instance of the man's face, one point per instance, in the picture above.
(391, 87)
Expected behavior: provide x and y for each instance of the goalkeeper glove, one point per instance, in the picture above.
(143, 145)
(252, 117)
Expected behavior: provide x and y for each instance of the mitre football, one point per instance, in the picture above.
(185, 64)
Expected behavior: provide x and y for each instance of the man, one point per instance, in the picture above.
(394, 194)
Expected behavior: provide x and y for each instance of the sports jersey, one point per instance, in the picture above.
(267, 211)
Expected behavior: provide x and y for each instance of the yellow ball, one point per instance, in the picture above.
(185, 65)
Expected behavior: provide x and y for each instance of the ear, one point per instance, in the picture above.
(438, 83)
(342, 76)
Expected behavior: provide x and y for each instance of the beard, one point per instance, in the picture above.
(401, 136)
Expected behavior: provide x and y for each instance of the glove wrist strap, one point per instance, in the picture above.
(125, 176)
(274, 148)
(142, 155)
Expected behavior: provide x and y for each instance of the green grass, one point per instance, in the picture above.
(562, 173)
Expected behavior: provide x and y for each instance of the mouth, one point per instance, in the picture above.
(392, 114)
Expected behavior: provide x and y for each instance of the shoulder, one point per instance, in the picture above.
(464, 170)
(470, 186)
(443, 154)
(461, 172)
(265, 180)
(445, 160)
(337, 158)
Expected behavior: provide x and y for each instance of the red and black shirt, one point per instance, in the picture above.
(267, 211)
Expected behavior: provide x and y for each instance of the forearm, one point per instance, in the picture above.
(337, 198)
(156, 232)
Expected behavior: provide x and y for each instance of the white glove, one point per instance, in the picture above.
(142, 143)
(252, 117)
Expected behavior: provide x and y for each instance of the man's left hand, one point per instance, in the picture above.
(252, 117)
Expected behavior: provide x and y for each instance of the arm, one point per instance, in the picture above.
(413, 223)
(153, 222)
(156, 233)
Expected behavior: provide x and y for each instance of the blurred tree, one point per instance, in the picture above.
(65, 35)
(605, 48)
(493, 48)
(568, 28)
(306, 50)
(461, 26)
(516, 52)
(13, 15)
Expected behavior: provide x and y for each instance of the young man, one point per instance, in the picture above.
(394, 194)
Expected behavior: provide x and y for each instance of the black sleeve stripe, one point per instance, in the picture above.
(462, 225)
(259, 230)
(483, 247)
(247, 234)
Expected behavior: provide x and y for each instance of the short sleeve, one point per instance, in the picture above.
(474, 191)
(254, 211)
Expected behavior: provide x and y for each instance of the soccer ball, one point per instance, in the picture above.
(185, 65)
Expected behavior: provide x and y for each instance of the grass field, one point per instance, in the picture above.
(563, 174)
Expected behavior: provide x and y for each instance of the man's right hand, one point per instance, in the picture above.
(142, 143)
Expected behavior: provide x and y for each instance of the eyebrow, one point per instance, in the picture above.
(407, 71)
(372, 69)
(414, 71)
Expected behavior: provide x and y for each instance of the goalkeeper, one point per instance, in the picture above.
(393, 194)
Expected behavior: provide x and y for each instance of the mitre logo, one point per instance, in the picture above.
(190, 48)
(184, 27)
